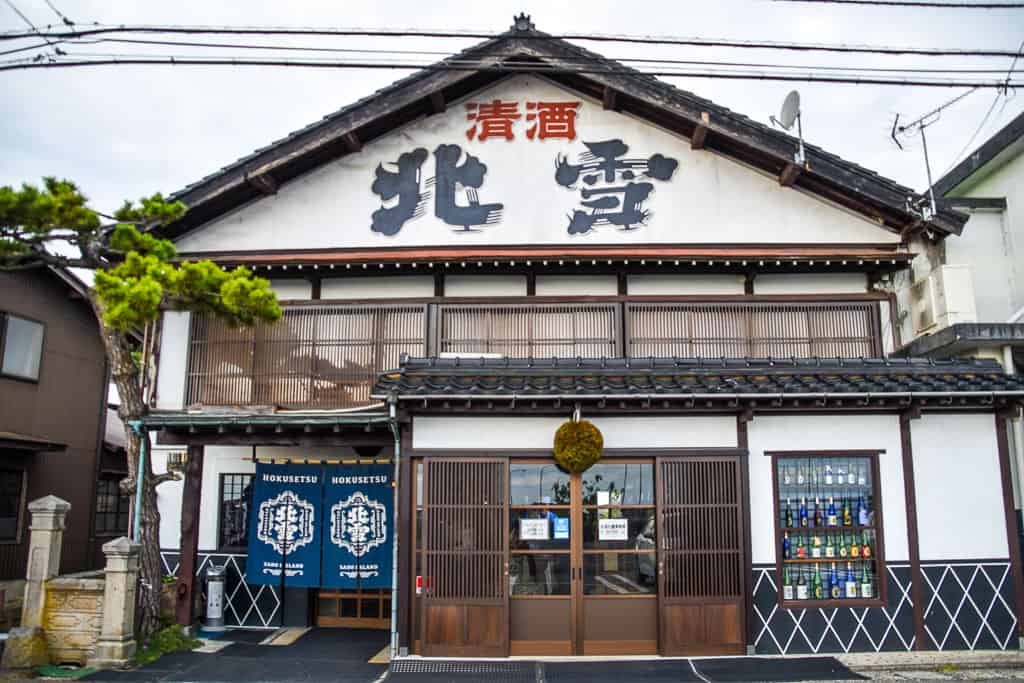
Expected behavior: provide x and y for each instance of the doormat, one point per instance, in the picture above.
(445, 671)
(773, 669)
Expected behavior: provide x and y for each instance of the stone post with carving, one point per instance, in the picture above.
(116, 645)
(26, 645)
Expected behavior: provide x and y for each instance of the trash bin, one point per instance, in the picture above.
(215, 597)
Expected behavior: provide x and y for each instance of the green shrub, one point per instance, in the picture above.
(169, 639)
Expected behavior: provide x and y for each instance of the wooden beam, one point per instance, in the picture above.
(437, 102)
(610, 100)
(913, 542)
(789, 174)
(1010, 519)
(185, 588)
(700, 131)
(352, 142)
(264, 182)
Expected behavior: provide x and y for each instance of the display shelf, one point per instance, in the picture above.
(810, 529)
(826, 560)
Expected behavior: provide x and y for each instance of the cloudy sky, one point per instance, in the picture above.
(125, 131)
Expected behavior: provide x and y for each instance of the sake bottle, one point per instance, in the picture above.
(833, 584)
(787, 475)
(800, 478)
(802, 592)
(854, 547)
(817, 512)
(862, 475)
(862, 511)
(830, 546)
(843, 549)
(829, 478)
(832, 518)
(851, 476)
(867, 589)
(865, 546)
(785, 546)
(816, 546)
(847, 514)
(787, 585)
(801, 548)
(789, 514)
(851, 582)
(819, 590)
(803, 512)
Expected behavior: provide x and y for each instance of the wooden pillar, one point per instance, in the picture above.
(184, 611)
(406, 558)
(743, 442)
(1012, 538)
(913, 545)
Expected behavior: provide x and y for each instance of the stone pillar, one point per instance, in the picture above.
(116, 645)
(26, 645)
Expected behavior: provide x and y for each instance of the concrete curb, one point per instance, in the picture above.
(917, 661)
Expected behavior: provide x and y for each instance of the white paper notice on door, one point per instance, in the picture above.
(533, 529)
(613, 529)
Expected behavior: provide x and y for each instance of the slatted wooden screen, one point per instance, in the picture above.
(524, 330)
(465, 596)
(702, 584)
(759, 330)
(315, 356)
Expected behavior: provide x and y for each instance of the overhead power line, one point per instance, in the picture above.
(917, 3)
(466, 65)
(413, 33)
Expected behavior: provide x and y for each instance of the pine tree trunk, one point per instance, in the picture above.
(125, 375)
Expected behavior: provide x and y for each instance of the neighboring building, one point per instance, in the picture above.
(965, 292)
(53, 415)
(470, 258)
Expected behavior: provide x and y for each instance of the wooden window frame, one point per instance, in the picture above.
(220, 511)
(881, 583)
(4, 317)
(123, 498)
(20, 520)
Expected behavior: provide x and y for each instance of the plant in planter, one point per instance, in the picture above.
(578, 445)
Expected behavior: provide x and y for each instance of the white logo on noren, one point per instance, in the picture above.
(358, 524)
(285, 522)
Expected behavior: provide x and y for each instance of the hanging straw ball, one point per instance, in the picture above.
(578, 445)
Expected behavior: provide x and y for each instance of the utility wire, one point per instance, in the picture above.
(584, 61)
(497, 68)
(918, 3)
(56, 11)
(411, 33)
(35, 31)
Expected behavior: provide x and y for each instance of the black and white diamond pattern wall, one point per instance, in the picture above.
(968, 606)
(245, 605)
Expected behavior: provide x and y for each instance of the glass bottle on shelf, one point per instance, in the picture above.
(819, 590)
(830, 546)
(787, 585)
(829, 478)
(867, 588)
(785, 546)
(847, 513)
(854, 547)
(833, 584)
(862, 475)
(818, 521)
(842, 550)
(862, 511)
(787, 475)
(851, 475)
(832, 518)
(802, 591)
(865, 546)
(840, 474)
(816, 546)
(850, 585)
(787, 514)
(800, 478)
(801, 548)
(803, 512)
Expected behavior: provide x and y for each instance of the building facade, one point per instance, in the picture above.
(53, 417)
(470, 259)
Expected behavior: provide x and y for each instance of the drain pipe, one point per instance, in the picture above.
(393, 423)
(136, 426)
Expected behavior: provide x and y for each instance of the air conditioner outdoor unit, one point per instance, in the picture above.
(944, 298)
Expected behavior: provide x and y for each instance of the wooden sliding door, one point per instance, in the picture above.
(465, 596)
(702, 562)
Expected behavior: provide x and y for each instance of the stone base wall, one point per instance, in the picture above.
(73, 616)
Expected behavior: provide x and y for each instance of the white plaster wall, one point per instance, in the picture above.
(684, 285)
(170, 377)
(811, 283)
(709, 199)
(959, 488)
(292, 289)
(825, 432)
(392, 287)
(577, 285)
(483, 433)
(485, 285)
(168, 499)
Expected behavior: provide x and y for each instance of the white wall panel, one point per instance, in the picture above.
(577, 285)
(394, 286)
(684, 285)
(168, 500)
(484, 433)
(485, 285)
(811, 283)
(959, 488)
(825, 432)
(292, 289)
(170, 377)
(708, 199)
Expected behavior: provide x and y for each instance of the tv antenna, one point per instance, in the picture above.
(927, 206)
(789, 115)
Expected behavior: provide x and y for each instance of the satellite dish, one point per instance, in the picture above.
(790, 110)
